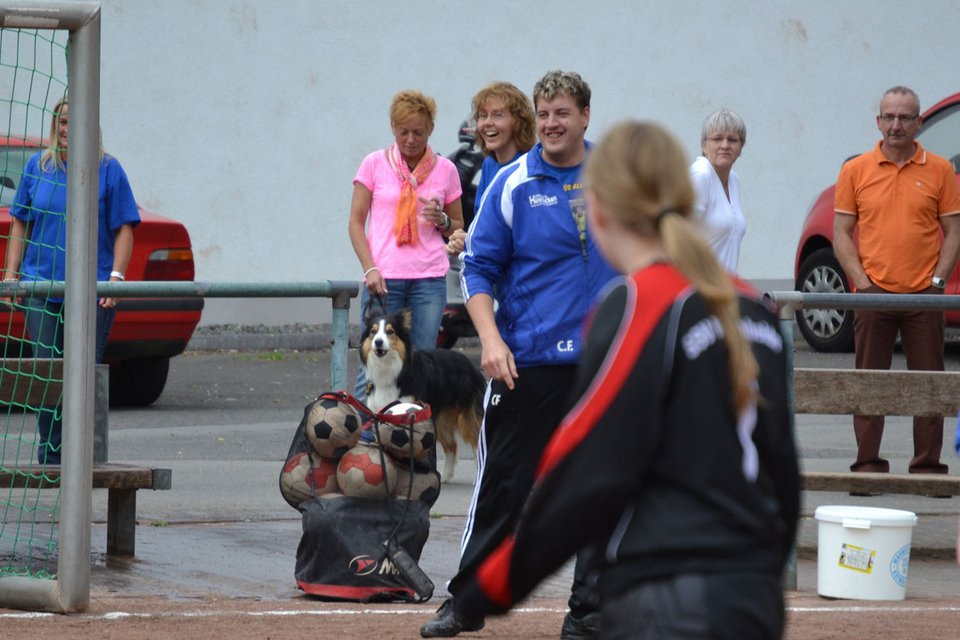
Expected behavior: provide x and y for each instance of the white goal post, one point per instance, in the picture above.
(70, 590)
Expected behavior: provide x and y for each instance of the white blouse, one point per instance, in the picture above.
(721, 220)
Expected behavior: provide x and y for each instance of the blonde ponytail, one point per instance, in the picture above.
(691, 254)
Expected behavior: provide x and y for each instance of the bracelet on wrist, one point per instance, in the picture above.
(446, 222)
(368, 272)
(117, 275)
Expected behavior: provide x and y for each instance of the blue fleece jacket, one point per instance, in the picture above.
(525, 251)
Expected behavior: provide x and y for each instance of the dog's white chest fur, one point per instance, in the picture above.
(383, 365)
(383, 387)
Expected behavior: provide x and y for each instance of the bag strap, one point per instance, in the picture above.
(414, 575)
(399, 419)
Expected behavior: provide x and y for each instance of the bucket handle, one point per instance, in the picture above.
(856, 523)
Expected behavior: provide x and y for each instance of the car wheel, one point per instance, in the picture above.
(138, 382)
(828, 330)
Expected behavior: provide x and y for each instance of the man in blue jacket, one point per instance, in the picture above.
(530, 250)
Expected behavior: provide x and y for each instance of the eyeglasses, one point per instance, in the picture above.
(496, 116)
(732, 140)
(905, 119)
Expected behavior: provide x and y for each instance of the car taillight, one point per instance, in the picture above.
(169, 264)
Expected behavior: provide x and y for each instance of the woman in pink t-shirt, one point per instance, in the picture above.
(406, 200)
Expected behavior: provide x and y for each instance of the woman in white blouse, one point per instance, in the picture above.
(718, 186)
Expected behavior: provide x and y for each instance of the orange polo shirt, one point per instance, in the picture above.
(898, 212)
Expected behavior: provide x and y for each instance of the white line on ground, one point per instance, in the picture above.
(828, 609)
(118, 615)
(398, 611)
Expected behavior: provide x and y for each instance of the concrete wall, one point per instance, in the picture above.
(247, 119)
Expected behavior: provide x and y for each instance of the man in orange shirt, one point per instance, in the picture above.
(901, 196)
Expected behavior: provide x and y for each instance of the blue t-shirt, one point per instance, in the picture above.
(488, 171)
(41, 202)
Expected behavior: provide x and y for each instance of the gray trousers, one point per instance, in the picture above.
(738, 606)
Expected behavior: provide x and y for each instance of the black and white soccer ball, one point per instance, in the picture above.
(332, 427)
(409, 440)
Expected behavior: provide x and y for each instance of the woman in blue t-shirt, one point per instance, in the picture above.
(506, 130)
(36, 252)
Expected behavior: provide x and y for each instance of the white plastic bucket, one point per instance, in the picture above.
(863, 553)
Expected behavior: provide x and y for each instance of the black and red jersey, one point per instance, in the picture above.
(652, 461)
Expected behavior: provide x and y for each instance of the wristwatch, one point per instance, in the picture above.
(939, 283)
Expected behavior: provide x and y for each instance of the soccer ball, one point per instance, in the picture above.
(331, 426)
(306, 475)
(360, 472)
(426, 483)
(395, 439)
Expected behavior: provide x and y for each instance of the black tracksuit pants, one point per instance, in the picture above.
(517, 426)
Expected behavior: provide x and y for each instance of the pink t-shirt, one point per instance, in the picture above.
(427, 259)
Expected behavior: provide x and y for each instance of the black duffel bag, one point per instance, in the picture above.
(349, 550)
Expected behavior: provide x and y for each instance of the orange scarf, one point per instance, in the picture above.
(405, 225)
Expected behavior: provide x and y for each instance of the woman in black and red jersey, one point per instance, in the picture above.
(678, 457)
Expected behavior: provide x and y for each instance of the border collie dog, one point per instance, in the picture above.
(446, 380)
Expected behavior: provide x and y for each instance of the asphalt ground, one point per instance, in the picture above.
(224, 425)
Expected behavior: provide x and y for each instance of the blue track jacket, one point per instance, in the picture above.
(524, 250)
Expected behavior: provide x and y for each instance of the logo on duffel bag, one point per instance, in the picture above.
(366, 565)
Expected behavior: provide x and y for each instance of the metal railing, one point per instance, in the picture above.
(795, 300)
(340, 291)
(789, 302)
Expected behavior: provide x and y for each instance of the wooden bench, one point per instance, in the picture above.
(34, 383)
(874, 392)
(907, 483)
(878, 392)
(121, 481)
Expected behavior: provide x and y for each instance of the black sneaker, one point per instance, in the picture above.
(575, 628)
(448, 623)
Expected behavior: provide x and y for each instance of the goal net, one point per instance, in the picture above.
(33, 78)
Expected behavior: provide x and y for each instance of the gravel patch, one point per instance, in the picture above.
(261, 337)
(288, 337)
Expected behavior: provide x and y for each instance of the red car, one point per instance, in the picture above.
(146, 332)
(816, 268)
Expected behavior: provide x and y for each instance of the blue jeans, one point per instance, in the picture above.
(44, 320)
(425, 298)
